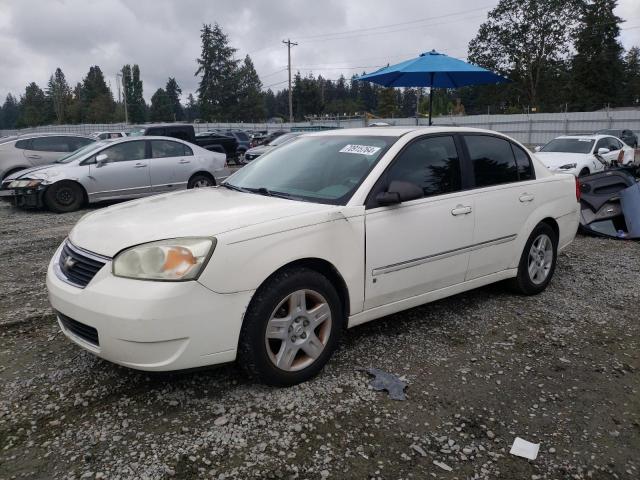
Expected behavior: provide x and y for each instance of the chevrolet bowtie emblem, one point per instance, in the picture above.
(69, 263)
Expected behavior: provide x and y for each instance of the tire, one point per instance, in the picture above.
(201, 180)
(64, 197)
(531, 280)
(585, 171)
(277, 355)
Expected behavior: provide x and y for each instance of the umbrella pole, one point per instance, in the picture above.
(430, 99)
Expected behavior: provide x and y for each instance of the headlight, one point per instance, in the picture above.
(175, 259)
(24, 183)
(568, 166)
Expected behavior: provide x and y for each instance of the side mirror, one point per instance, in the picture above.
(602, 151)
(101, 159)
(537, 149)
(399, 192)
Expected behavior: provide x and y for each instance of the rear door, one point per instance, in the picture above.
(420, 245)
(170, 165)
(505, 194)
(125, 174)
(44, 150)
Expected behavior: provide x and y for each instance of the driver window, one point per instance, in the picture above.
(123, 152)
(431, 163)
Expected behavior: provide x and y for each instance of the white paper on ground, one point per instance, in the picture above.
(525, 449)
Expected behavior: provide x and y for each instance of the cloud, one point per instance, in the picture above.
(163, 36)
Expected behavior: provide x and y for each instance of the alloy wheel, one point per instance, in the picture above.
(540, 259)
(298, 330)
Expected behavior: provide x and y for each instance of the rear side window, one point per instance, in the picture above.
(177, 133)
(50, 144)
(23, 144)
(166, 148)
(432, 163)
(525, 168)
(493, 160)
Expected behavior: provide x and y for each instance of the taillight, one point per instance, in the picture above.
(578, 191)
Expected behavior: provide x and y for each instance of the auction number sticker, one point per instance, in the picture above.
(359, 149)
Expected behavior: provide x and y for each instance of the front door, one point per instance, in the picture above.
(124, 174)
(421, 245)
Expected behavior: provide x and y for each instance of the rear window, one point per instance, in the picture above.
(23, 144)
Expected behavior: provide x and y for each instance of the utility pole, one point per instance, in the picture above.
(289, 44)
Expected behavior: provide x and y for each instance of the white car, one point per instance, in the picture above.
(108, 135)
(122, 168)
(330, 230)
(576, 154)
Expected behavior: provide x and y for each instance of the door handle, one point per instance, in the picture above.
(34, 156)
(461, 210)
(140, 165)
(525, 197)
(184, 161)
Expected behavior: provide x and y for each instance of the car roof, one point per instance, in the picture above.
(24, 136)
(396, 131)
(593, 136)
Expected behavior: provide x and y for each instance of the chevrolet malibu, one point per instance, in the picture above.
(329, 231)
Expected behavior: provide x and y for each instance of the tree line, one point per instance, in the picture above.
(560, 55)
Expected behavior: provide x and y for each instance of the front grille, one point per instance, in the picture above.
(87, 333)
(78, 267)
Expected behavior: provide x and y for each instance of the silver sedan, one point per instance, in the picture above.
(121, 168)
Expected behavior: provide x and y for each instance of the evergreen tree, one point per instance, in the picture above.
(59, 96)
(217, 91)
(631, 95)
(10, 112)
(98, 105)
(597, 69)
(174, 91)
(32, 107)
(250, 98)
(191, 111)
(387, 106)
(521, 39)
(161, 109)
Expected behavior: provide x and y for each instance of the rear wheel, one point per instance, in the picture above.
(538, 261)
(201, 180)
(291, 328)
(64, 197)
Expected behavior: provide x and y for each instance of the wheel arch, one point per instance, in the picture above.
(325, 268)
(12, 170)
(553, 224)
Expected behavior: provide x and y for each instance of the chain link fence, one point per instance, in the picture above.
(530, 129)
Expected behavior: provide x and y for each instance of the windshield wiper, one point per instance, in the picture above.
(231, 186)
(259, 190)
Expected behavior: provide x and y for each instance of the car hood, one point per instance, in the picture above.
(198, 212)
(557, 159)
(42, 172)
(259, 150)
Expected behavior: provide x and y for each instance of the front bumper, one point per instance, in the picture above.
(23, 197)
(146, 325)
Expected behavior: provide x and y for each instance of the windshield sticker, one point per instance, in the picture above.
(359, 149)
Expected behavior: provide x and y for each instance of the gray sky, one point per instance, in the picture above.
(162, 36)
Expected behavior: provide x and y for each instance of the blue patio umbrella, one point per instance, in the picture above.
(434, 70)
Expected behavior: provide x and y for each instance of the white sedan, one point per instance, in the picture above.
(578, 154)
(331, 230)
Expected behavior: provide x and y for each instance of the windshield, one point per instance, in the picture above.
(569, 145)
(323, 169)
(81, 152)
(282, 139)
(137, 132)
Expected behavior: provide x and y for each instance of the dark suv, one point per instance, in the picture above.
(210, 141)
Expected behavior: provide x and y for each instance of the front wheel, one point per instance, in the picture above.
(538, 261)
(291, 328)
(64, 197)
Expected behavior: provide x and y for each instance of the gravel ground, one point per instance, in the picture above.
(483, 367)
